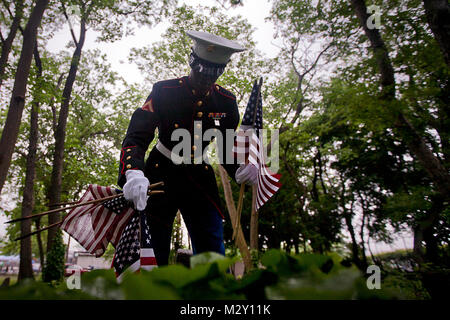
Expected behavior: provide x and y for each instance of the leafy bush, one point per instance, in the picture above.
(280, 276)
(54, 265)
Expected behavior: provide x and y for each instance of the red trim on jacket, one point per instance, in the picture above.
(121, 159)
(225, 95)
(177, 86)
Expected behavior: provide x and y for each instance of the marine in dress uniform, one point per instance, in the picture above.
(191, 104)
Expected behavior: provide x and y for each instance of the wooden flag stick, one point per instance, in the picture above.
(154, 185)
(37, 231)
(241, 193)
(240, 239)
(65, 208)
(77, 205)
(62, 203)
(239, 210)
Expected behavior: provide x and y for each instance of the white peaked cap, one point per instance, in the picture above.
(213, 48)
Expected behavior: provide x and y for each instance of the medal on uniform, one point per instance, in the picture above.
(216, 116)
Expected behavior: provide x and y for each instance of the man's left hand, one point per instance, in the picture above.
(247, 173)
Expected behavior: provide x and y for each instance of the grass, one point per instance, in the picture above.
(12, 278)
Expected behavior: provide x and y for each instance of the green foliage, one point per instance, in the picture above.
(37, 290)
(168, 58)
(55, 263)
(282, 276)
(410, 286)
(344, 148)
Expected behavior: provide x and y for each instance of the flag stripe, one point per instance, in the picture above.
(148, 260)
(70, 220)
(120, 226)
(87, 232)
(149, 267)
(99, 218)
(147, 253)
(95, 216)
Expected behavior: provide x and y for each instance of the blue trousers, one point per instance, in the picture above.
(204, 224)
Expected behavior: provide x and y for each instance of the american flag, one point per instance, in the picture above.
(96, 225)
(249, 143)
(135, 251)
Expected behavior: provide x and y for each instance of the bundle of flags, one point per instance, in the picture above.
(113, 221)
(249, 145)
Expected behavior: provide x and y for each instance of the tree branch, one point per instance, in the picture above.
(70, 24)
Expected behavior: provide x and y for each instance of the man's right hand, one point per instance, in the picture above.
(136, 188)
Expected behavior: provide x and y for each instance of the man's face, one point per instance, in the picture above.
(200, 81)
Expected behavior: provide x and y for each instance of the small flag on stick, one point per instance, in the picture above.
(249, 145)
(135, 251)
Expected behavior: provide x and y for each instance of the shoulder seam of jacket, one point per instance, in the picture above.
(226, 93)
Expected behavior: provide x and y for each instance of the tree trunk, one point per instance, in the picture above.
(364, 263)
(428, 227)
(54, 193)
(432, 165)
(240, 239)
(438, 17)
(26, 267)
(416, 144)
(355, 247)
(418, 247)
(13, 119)
(379, 48)
(7, 44)
(40, 245)
(443, 127)
(348, 217)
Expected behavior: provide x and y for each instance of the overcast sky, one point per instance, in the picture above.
(255, 11)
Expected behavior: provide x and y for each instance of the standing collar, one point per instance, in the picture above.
(193, 92)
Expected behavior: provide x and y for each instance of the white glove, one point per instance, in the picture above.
(136, 188)
(247, 173)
